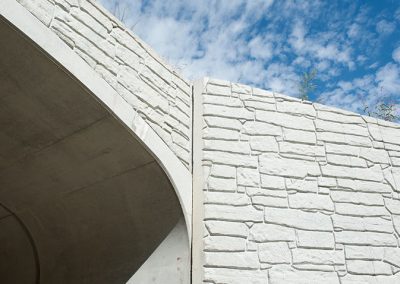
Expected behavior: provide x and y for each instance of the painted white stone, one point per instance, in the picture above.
(269, 201)
(357, 197)
(261, 128)
(296, 108)
(223, 90)
(370, 174)
(275, 165)
(298, 219)
(364, 252)
(302, 185)
(365, 238)
(347, 139)
(352, 129)
(318, 256)
(347, 161)
(281, 274)
(229, 213)
(285, 120)
(299, 136)
(231, 276)
(234, 199)
(375, 155)
(231, 159)
(228, 112)
(222, 122)
(221, 184)
(301, 149)
(248, 177)
(364, 186)
(362, 223)
(270, 233)
(263, 144)
(223, 228)
(360, 210)
(393, 206)
(274, 253)
(311, 202)
(311, 239)
(224, 243)
(273, 182)
(223, 171)
(221, 134)
(238, 260)
(368, 267)
(336, 117)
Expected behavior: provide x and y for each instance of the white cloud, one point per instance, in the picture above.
(384, 27)
(355, 95)
(396, 55)
(225, 39)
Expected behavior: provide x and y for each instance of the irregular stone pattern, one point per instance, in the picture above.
(297, 192)
(160, 95)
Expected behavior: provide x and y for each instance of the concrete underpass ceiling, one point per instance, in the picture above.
(82, 201)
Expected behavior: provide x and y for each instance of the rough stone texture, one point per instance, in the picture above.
(313, 190)
(160, 95)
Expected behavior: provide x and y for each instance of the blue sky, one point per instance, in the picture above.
(354, 45)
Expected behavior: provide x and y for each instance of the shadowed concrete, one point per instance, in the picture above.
(82, 200)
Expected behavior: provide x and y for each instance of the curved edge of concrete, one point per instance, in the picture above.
(31, 27)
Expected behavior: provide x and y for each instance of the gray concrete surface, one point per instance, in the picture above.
(81, 191)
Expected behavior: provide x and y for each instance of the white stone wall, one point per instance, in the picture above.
(296, 192)
(159, 94)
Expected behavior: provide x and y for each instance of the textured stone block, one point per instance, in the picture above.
(310, 239)
(221, 184)
(362, 223)
(269, 201)
(360, 210)
(248, 177)
(302, 185)
(263, 144)
(285, 274)
(276, 165)
(270, 233)
(317, 256)
(285, 120)
(364, 252)
(274, 253)
(234, 199)
(296, 108)
(370, 174)
(298, 219)
(238, 260)
(223, 243)
(368, 267)
(261, 128)
(222, 228)
(299, 136)
(357, 197)
(311, 202)
(230, 213)
(223, 171)
(365, 238)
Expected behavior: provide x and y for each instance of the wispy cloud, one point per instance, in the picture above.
(271, 43)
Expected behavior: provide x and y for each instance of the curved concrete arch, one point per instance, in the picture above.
(121, 115)
(179, 176)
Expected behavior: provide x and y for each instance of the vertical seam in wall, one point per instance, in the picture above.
(197, 184)
(192, 167)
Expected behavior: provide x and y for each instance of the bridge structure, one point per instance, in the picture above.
(116, 169)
